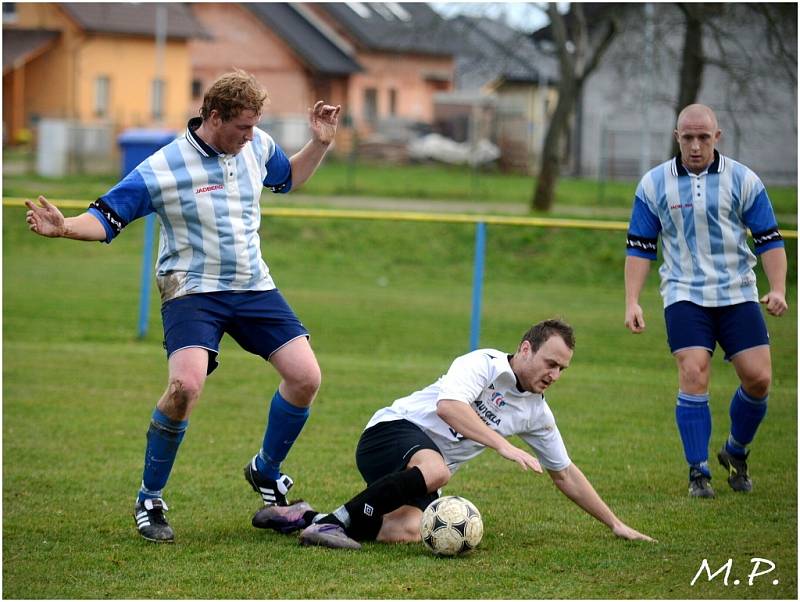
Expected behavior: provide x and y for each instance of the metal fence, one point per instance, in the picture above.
(481, 233)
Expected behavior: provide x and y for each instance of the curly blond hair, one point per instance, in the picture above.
(233, 93)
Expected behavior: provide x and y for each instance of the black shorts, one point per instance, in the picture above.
(387, 447)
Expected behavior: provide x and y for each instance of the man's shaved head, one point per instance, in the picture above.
(697, 134)
(697, 112)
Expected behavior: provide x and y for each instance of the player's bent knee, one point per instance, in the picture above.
(302, 391)
(433, 468)
(758, 385)
(436, 477)
(182, 393)
(694, 377)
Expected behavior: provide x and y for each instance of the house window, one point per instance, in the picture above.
(392, 102)
(102, 88)
(157, 98)
(9, 12)
(197, 88)
(371, 106)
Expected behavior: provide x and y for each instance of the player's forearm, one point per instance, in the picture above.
(306, 160)
(573, 484)
(636, 270)
(463, 419)
(83, 227)
(774, 264)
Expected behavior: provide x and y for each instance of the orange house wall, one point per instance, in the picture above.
(404, 73)
(131, 87)
(50, 87)
(61, 82)
(241, 40)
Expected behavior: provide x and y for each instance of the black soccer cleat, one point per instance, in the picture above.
(738, 477)
(151, 522)
(272, 492)
(700, 484)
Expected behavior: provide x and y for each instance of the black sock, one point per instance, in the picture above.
(388, 493)
(310, 515)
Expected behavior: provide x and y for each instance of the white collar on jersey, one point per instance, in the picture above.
(197, 142)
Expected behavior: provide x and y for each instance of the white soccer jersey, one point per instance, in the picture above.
(208, 207)
(483, 380)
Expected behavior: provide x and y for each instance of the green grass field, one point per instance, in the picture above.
(388, 305)
(432, 182)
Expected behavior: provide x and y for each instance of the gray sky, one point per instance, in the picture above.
(525, 16)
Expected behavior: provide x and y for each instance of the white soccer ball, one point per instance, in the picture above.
(451, 525)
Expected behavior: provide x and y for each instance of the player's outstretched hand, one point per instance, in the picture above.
(521, 457)
(634, 318)
(775, 303)
(324, 119)
(625, 532)
(44, 219)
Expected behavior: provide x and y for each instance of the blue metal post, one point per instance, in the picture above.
(147, 266)
(477, 285)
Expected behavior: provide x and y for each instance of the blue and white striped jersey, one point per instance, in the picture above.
(208, 208)
(703, 221)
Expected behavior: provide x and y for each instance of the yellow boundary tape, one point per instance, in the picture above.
(412, 216)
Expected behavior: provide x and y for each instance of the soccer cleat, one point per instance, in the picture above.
(284, 519)
(738, 478)
(270, 490)
(151, 522)
(328, 536)
(700, 484)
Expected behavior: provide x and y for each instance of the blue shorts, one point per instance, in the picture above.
(260, 321)
(735, 327)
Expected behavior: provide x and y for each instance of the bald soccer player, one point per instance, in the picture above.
(702, 204)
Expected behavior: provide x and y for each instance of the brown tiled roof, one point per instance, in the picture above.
(134, 19)
(322, 55)
(393, 26)
(22, 45)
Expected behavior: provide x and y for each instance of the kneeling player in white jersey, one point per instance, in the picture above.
(411, 449)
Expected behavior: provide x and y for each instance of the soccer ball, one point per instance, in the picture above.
(451, 525)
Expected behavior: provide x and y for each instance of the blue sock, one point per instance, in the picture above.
(694, 424)
(163, 438)
(283, 426)
(746, 414)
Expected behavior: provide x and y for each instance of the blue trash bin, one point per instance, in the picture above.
(138, 144)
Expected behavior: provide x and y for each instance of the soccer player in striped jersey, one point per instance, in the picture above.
(702, 203)
(409, 450)
(205, 188)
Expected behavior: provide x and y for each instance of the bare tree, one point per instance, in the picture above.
(714, 26)
(578, 55)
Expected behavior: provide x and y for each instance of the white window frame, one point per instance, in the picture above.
(157, 97)
(102, 96)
